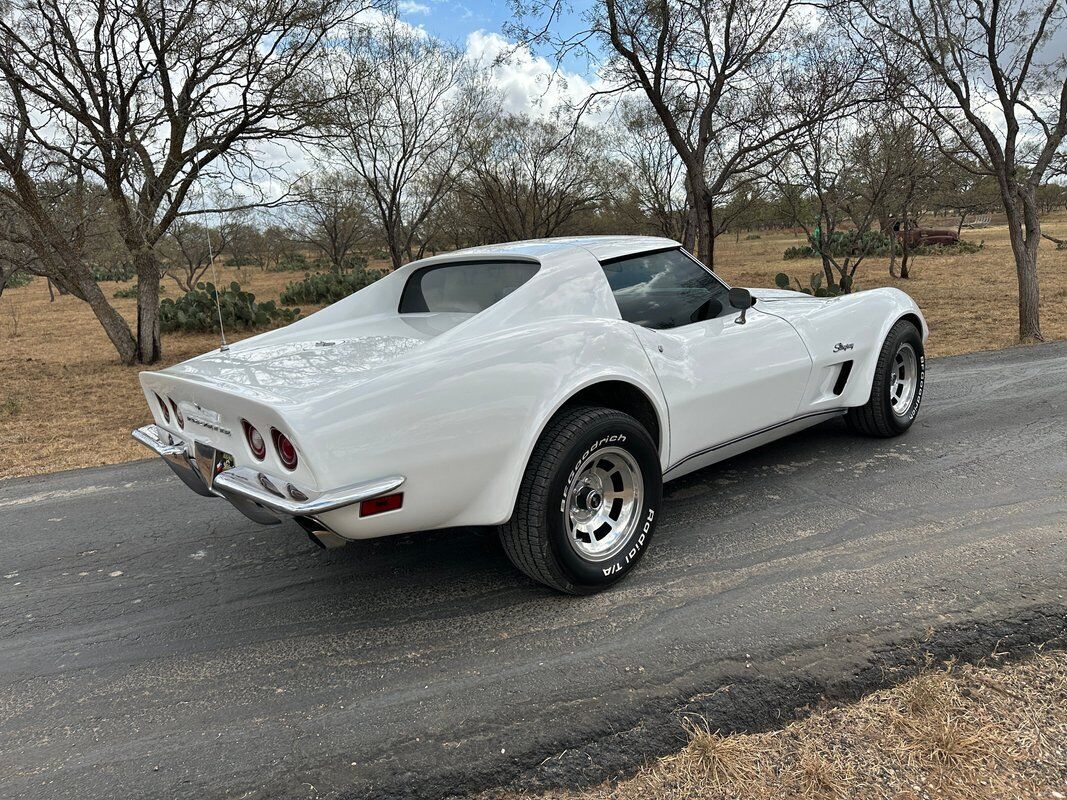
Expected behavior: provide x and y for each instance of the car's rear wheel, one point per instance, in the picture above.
(588, 502)
(897, 390)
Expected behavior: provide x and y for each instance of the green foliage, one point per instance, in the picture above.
(803, 251)
(290, 262)
(842, 244)
(18, 279)
(874, 243)
(354, 264)
(195, 312)
(963, 246)
(116, 272)
(814, 286)
(324, 288)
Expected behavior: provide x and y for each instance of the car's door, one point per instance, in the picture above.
(722, 380)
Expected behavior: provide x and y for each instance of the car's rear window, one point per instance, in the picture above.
(463, 287)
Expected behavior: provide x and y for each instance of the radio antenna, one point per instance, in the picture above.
(215, 277)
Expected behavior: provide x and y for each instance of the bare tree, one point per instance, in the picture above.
(189, 248)
(720, 75)
(657, 173)
(151, 98)
(408, 105)
(534, 177)
(996, 83)
(332, 216)
(834, 209)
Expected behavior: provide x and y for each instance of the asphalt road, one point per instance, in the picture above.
(156, 644)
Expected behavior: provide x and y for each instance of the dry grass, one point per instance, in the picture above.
(65, 402)
(970, 301)
(963, 732)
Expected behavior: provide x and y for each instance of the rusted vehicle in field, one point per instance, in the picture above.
(909, 232)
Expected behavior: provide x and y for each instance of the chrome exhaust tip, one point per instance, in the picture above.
(327, 540)
(319, 534)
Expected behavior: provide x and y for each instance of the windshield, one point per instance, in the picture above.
(463, 287)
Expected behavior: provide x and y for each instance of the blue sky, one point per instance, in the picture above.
(455, 20)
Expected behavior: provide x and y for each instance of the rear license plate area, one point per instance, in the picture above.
(210, 461)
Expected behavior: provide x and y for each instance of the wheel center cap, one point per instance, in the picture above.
(589, 499)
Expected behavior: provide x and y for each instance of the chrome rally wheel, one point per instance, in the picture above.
(904, 380)
(588, 502)
(897, 390)
(604, 502)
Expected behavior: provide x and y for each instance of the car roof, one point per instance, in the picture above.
(603, 248)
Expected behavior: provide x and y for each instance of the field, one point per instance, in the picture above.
(65, 402)
(959, 733)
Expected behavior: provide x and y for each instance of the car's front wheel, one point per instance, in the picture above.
(588, 503)
(897, 391)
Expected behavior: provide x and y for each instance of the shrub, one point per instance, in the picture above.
(324, 288)
(354, 263)
(291, 262)
(842, 244)
(961, 247)
(18, 279)
(752, 237)
(116, 272)
(195, 312)
(803, 251)
(814, 286)
(874, 243)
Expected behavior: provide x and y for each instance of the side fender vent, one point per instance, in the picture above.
(842, 377)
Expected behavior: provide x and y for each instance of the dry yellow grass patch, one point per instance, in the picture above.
(65, 402)
(970, 301)
(961, 733)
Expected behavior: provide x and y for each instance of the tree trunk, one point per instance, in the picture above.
(827, 269)
(112, 321)
(1021, 224)
(893, 254)
(149, 345)
(689, 227)
(707, 235)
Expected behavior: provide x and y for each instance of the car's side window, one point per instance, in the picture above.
(667, 289)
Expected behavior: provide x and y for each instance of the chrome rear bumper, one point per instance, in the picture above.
(258, 495)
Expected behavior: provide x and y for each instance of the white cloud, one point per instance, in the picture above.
(411, 7)
(527, 82)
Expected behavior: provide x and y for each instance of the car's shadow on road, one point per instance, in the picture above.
(471, 561)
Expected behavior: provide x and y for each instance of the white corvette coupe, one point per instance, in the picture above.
(547, 387)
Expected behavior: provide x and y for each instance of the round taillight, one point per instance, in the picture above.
(255, 440)
(163, 407)
(286, 451)
(177, 414)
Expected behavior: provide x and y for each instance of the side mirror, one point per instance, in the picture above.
(741, 299)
